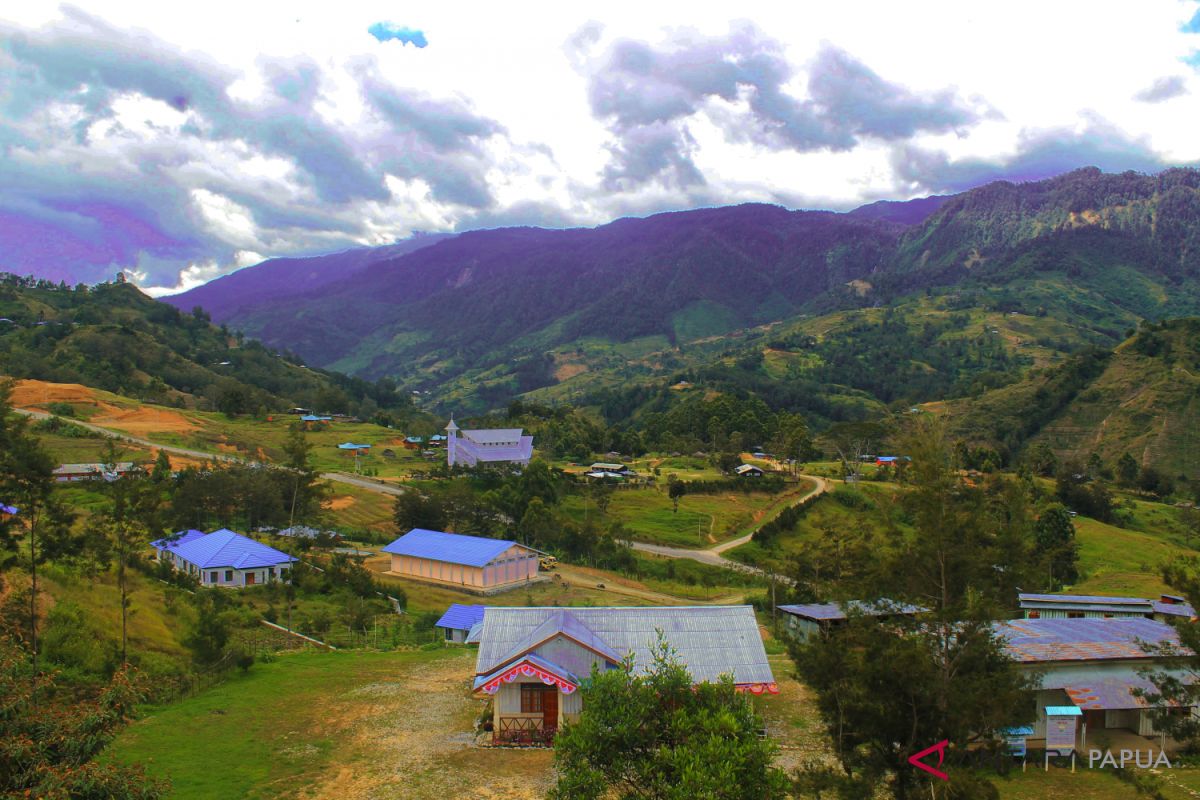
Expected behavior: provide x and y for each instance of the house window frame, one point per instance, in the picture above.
(229, 576)
(533, 697)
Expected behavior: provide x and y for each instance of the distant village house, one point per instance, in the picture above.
(459, 621)
(69, 473)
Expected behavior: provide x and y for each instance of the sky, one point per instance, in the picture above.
(179, 142)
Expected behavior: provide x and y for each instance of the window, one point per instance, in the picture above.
(212, 577)
(449, 634)
(1074, 615)
(229, 576)
(531, 698)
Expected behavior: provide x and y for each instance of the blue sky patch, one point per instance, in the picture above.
(386, 31)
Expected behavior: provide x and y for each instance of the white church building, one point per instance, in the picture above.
(490, 446)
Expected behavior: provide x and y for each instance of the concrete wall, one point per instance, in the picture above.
(515, 565)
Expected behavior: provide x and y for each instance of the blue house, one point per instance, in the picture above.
(458, 621)
(224, 558)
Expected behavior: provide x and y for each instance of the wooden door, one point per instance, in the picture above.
(249, 578)
(1094, 719)
(550, 709)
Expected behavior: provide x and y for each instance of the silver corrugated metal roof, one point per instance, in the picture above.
(710, 640)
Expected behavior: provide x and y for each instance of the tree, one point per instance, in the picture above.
(792, 441)
(1127, 470)
(675, 490)
(416, 510)
(50, 749)
(307, 491)
(656, 736)
(1180, 684)
(1054, 534)
(210, 632)
(958, 685)
(27, 482)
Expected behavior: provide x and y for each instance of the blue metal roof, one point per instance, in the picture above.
(461, 617)
(7, 509)
(1063, 711)
(837, 611)
(1174, 609)
(452, 548)
(224, 548)
(353, 446)
(174, 541)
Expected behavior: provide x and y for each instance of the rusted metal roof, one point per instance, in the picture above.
(1050, 640)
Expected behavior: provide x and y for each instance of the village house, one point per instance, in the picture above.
(1093, 665)
(487, 446)
(806, 619)
(748, 471)
(223, 558)
(1078, 606)
(458, 622)
(532, 661)
(473, 563)
(69, 473)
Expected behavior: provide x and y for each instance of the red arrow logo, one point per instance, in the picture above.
(940, 748)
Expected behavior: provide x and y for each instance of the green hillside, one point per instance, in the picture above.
(113, 337)
(1142, 398)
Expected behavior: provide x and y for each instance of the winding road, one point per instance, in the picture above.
(712, 555)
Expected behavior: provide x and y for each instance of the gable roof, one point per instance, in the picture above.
(1081, 599)
(460, 617)
(452, 548)
(1048, 640)
(744, 468)
(494, 435)
(710, 640)
(224, 548)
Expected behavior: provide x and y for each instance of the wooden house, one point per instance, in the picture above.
(474, 563)
(748, 471)
(532, 661)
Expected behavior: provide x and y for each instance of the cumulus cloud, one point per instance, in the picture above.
(1040, 153)
(182, 172)
(388, 31)
(647, 94)
(1163, 89)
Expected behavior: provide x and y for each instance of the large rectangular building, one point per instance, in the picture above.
(473, 563)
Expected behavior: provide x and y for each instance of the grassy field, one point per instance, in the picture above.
(1125, 562)
(323, 725)
(702, 520)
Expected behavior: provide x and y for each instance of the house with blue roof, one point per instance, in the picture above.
(459, 620)
(533, 660)
(473, 563)
(223, 558)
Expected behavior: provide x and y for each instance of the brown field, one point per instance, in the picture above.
(136, 420)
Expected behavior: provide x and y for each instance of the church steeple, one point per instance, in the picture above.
(451, 442)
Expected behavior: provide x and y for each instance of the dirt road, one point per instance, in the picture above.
(336, 477)
(712, 555)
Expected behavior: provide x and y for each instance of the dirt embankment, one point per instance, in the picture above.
(134, 419)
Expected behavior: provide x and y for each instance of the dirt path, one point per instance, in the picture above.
(713, 555)
(417, 743)
(589, 578)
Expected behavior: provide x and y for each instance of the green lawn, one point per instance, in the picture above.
(1118, 561)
